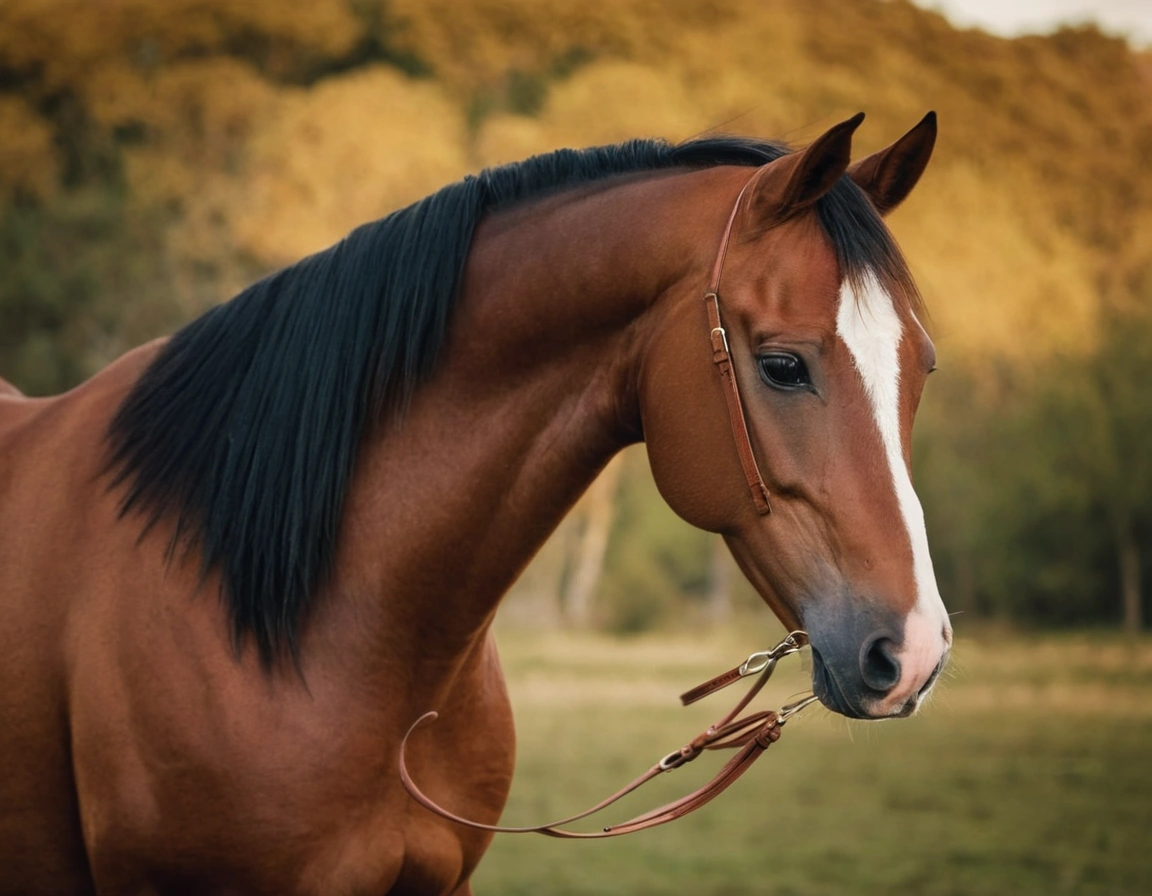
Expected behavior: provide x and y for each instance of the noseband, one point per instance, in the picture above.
(723, 361)
(753, 733)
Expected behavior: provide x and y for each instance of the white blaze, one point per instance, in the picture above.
(871, 329)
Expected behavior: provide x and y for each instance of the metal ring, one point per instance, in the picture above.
(758, 662)
(786, 712)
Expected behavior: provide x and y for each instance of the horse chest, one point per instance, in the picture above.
(189, 783)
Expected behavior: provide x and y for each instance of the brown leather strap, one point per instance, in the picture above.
(756, 744)
(723, 361)
(762, 663)
(711, 686)
(752, 735)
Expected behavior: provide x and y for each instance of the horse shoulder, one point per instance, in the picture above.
(53, 509)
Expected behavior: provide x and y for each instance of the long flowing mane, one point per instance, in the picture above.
(245, 428)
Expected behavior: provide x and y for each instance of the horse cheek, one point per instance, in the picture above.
(688, 435)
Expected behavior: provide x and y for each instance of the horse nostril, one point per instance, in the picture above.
(878, 664)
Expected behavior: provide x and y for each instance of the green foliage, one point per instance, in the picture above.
(655, 560)
(1029, 493)
(75, 287)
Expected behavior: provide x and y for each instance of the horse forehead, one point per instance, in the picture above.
(867, 311)
(798, 277)
(870, 322)
(876, 315)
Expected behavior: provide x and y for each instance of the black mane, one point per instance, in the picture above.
(245, 428)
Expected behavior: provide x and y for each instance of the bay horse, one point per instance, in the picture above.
(237, 564)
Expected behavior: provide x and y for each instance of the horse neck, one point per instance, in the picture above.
(535, 390)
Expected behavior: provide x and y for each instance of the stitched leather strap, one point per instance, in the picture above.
(711, 686)
(723, 361)
(751, 735)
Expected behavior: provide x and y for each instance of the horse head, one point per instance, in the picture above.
(822, 326)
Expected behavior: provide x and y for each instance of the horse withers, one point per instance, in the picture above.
(238, 563)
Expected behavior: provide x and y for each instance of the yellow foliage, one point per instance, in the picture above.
(1037, 194)
(28, 163)
(68, 41)
(347, 151)
(198, 117)
(645, 103)
(215, 99)
(997, 285)
(480, 41)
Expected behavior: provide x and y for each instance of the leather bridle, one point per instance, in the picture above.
(723, 361)
(752, 734)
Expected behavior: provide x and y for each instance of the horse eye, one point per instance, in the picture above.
(784, 371)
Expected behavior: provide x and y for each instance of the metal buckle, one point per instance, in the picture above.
(764, 660)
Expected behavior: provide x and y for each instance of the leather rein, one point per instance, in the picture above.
(753, 733)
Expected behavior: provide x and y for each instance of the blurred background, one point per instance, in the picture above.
(157, 155)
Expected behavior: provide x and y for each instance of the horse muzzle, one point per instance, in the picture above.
(866, 670)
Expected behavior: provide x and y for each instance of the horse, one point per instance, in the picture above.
(239, 562)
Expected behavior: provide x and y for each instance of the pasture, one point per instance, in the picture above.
(1028, 773)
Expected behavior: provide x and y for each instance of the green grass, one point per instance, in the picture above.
(1028, 773)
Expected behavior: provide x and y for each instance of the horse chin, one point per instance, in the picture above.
(825, 686)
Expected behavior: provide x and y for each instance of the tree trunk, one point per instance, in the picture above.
(719, 583)
(591, 546)
(1130, 585)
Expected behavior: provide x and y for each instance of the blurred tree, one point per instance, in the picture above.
(1102, 406)
(83, 281)
(1041, 500)
(720, 571)
(656, 569)
(587, 562)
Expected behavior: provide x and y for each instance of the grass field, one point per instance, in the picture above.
(1029, 773)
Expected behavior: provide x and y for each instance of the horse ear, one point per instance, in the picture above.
(795, 181)
(889, 175)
